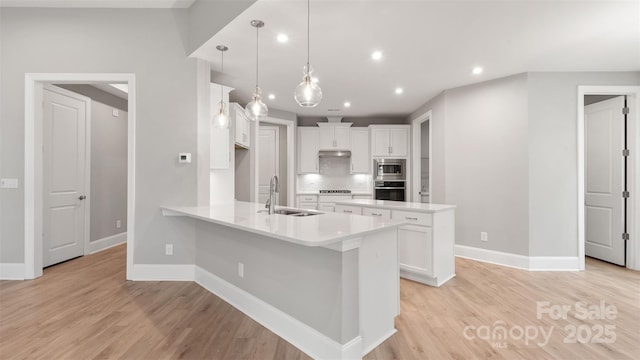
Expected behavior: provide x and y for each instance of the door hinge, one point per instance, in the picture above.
(625, 110)
(625, 194)
(625, 236)
(625, 152)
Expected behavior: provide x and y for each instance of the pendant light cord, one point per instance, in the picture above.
(308, 36)
(221, 73)
(257, 40)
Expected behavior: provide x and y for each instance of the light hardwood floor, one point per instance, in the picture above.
(84, 309)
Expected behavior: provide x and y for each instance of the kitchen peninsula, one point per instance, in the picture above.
(328, 283)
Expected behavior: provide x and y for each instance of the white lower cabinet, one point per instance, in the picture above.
(416, 249)
(327, 207)
(308, 202)
(346, 209)
(382, 213)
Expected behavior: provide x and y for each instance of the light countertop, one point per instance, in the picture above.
(318, 230)
(397, 205)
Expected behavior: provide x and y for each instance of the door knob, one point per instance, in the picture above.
(81, 197)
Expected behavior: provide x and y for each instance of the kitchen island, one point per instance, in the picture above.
(426, 241)
(327, 283)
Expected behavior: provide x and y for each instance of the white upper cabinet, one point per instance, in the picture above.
(308, 146)
(242, 125)
(360, 159)
(335, 136)
(390, 140)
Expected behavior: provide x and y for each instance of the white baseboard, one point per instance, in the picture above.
(531, 263)
(105, 243)
(300, 335)
(12, 271)
(162, 272)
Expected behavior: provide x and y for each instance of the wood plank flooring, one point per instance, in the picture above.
(84, 309)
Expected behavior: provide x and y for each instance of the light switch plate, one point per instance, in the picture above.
(115, 113)
(9, 183)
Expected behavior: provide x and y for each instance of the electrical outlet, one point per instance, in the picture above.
(241, 269)
(168, 249)
(118, 224)
(484, 236)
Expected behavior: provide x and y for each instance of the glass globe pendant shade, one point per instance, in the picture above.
(308, 93)
(221, 118)
(256, 109)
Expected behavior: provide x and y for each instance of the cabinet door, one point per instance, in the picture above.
(415, 248)
(327, 141)
(238, 122)
(246, 135)
(399, 142)
(326, 207)
(308, 150)
(380, 138)
(342, 137)
(360, 159)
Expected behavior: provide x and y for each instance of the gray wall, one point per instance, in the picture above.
(97, 95)
(592, 99)
(553, 104)
(487, 172)
(490, 140)
(146, 43)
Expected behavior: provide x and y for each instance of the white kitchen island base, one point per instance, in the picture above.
(334, 294)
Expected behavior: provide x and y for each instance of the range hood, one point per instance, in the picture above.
(334, 153)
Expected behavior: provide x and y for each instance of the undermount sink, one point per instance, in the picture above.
(293, 212)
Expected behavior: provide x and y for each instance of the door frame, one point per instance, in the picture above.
(87, 161)
(633, 223)
(416, 131)
(33, 187)
(291, 146)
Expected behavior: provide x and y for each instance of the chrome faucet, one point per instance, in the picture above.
(274, 188)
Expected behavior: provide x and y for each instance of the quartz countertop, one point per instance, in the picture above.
(317, 230)
(397, 205)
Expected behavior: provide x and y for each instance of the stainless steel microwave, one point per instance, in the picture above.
(389, 169)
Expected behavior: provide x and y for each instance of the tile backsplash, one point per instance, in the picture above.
(334, 175)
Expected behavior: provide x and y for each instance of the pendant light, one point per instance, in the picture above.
(308, 93)
(221, 118)
(256, 109)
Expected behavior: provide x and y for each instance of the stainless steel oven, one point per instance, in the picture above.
(389, 190)
(389, 169)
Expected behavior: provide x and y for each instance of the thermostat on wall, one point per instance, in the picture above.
(184, 158)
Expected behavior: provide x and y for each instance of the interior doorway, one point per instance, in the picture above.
(421, 158)
(602, 190)
(35, 173)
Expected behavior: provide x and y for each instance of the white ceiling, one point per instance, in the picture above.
(428, 46)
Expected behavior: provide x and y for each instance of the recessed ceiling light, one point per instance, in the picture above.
(272, 96)
(376, 55)
(283, 38)
(347, 104)
(477, 70)
(399, 91)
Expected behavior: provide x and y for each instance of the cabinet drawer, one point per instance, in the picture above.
(345, 209)
(308, 205)
(307, 198)
(412, 217)
(383, 213)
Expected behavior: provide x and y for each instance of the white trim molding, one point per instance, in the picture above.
(106, 243)
(33, 161)
(12, 271)
(531, 263)
(300, 335)
(162, 272)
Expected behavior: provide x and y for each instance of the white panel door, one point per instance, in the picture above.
(64, 121)
(268, 158)
(604, 180)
